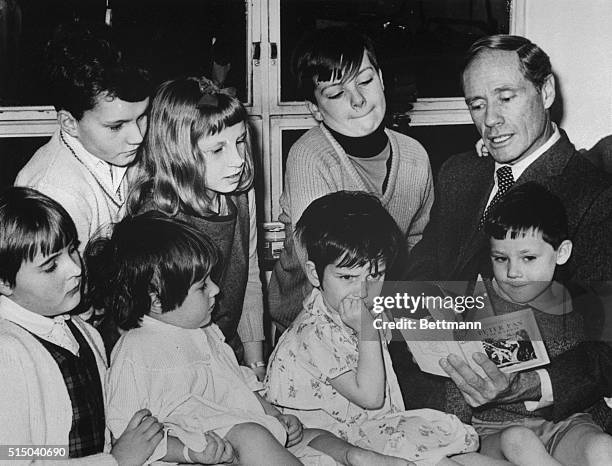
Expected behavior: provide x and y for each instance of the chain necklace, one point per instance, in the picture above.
(102, 185)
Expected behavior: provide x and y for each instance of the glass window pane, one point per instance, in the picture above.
(442, 141)
(187, 37)
(420, 44)
(168, 37)
(14, 154)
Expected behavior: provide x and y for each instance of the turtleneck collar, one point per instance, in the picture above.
(362, 146)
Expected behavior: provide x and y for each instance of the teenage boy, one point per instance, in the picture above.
(529, 240)
(52, 365)
(101, 104)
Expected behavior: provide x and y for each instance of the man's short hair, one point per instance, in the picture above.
(329, 54)
(351, 227)
(529, 207)
(83, 63)
(30, 223)
(534, 62)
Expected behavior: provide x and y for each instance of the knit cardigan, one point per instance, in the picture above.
(317, 165)
(34, 400)
(54, 171)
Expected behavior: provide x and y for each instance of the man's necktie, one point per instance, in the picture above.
(505, 180)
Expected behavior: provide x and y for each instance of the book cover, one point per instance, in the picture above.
(512, 341)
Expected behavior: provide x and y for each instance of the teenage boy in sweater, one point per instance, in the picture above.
(101, 104)
(52, 365)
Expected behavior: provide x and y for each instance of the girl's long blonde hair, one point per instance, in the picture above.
(171, 168)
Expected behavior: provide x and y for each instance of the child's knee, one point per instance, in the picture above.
(249, 430)
(517, 437)
(598, 449)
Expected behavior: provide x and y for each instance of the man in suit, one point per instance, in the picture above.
(509, 89)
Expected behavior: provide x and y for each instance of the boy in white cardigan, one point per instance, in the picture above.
(52, 365)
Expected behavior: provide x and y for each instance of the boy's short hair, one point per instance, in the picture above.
(83, 63)
(30, 223)
(147, 253)
(329, 54)
(350, 227)
(529, 206)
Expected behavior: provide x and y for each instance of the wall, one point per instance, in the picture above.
(577, 34)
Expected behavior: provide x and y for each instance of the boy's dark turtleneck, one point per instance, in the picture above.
(362, 146)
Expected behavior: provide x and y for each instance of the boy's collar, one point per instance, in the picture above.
(102, 168)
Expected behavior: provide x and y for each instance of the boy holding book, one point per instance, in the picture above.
(52, 365)
(528, 232)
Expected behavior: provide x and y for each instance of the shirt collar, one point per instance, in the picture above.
(150, 323)
(519, 167)
(52, 329)
(111, 175)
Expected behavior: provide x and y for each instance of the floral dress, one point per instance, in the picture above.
(319, 347)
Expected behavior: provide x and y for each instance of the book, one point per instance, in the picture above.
(512, 341)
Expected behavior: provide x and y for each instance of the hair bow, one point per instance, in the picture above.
(210, 93)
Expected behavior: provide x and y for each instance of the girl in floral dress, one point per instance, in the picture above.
(332, 367)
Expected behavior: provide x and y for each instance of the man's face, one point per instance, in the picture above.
(510, 113)
(524, 266)
(49, 285)
(352, 108)
(113, 129)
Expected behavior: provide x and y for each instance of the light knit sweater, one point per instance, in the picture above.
(55, 171)
(34, 400)
(317, 165)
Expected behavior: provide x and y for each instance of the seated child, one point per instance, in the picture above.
(173, 360)
(52, 365)
(331, 367)
(528, 234)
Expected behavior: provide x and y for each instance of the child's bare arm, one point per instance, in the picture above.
(366, 387)
(291, 423)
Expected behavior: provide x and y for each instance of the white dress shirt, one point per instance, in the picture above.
(519, 167)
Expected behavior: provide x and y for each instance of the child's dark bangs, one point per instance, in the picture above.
(193, 257)
(341, 68)
(46, 235)
(359, 256)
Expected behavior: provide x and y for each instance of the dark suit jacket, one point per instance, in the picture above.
(452, 248)
(601, 154)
